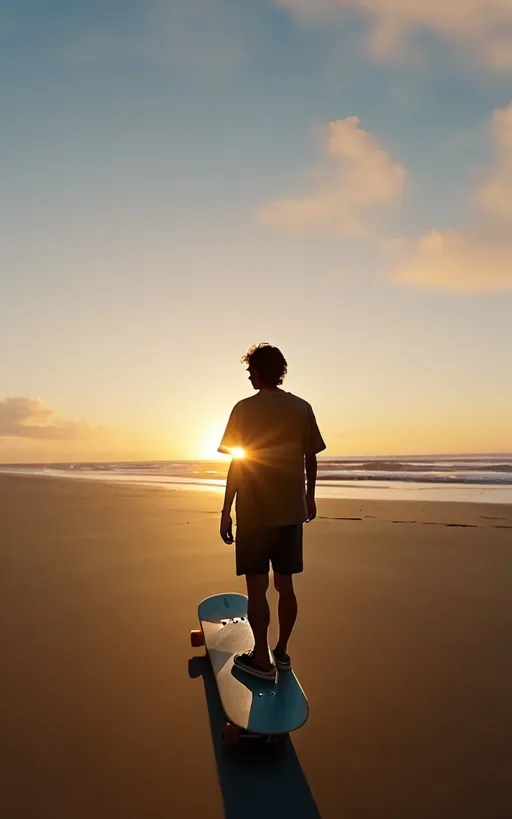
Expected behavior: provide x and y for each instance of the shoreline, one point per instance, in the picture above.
(453, 514)
(364, 491)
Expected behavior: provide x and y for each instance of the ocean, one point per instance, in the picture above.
(476, 478)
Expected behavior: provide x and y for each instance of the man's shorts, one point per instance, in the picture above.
(280, 546)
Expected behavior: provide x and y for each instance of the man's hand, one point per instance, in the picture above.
(226, 528)
(311, 504)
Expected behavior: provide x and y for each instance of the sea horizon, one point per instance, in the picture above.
(464, 477)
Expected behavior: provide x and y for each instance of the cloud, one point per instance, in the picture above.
(446, 260)
(479, 259)
(25, 417)
(485, 24)
(495, 197)
(357, 176)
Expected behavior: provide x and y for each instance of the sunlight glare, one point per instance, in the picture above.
(211, 440)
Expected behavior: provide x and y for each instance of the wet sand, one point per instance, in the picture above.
(403, 647)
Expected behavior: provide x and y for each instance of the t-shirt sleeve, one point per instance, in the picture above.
(232, 438)
(314, 442)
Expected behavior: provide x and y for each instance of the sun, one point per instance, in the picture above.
(209, 443)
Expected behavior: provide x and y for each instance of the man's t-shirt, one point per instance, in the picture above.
(276, 430)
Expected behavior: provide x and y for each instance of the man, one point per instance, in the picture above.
(273, 436)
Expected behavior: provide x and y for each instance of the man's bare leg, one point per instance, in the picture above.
(287, 609)
(258, 614)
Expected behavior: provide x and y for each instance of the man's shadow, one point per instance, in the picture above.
(257, 780)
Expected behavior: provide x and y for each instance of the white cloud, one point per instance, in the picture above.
(446, 260)
(495, 197)
(480, 259)
(485, 24)
(357, 175)
(26, 417)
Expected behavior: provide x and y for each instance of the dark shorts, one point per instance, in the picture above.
(280, 546)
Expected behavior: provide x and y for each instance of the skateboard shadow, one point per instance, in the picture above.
(255, 781)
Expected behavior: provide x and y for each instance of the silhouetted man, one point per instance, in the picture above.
(278, 435)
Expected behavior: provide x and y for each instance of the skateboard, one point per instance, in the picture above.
(254, 708)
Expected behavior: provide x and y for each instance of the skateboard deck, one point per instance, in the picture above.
(251, 705)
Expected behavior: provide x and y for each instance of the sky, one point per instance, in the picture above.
(181, 179)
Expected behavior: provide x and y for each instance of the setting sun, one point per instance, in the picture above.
(208, 447)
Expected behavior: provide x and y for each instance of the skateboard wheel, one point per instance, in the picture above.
(196, 638)
(231, 734)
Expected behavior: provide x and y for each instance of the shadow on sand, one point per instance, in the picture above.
(255, 781)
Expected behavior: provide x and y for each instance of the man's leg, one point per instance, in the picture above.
(287, 609)
(258, 614)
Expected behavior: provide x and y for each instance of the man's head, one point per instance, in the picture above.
(266, 365)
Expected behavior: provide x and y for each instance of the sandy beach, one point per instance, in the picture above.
(403, 647)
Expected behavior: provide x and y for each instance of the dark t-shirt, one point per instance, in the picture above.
(275, 429)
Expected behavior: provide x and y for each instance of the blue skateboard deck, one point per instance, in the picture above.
(258, 707)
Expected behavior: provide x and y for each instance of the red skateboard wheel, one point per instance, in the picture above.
(196, 638)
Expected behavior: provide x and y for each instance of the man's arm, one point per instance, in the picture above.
(231, 487)
(311, 472)
(226, 522)
(314, 443)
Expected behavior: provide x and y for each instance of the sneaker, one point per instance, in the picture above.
(246, 663)
(282, 659)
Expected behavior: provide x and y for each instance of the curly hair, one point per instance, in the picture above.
(269, 363)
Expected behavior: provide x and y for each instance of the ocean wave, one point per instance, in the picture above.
(418, 466)
(417, 477)
(465, 470)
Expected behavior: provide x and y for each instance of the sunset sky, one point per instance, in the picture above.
(183, 178)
